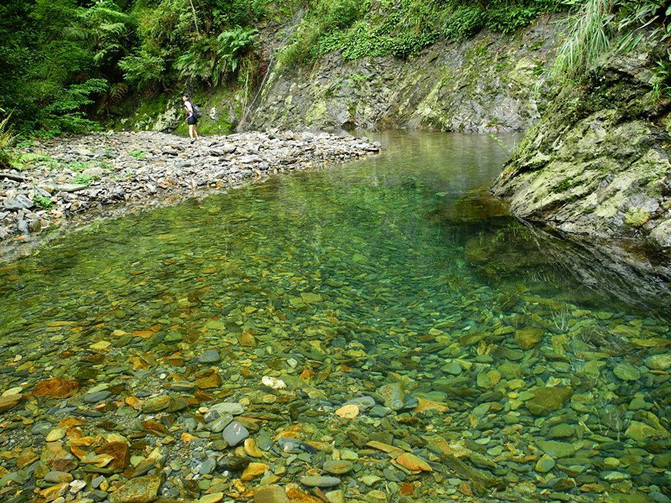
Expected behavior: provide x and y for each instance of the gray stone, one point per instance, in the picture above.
(208, 466)
(234, 433)
(209, 356)
(364, 402)
(96, 396)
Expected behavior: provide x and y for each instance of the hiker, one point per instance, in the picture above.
(191, 117)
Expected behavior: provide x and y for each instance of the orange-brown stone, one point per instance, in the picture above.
(119, 451)
(56, 388)
(208, 382)
(297, 496)
(155, 427)
(253, 471)
(413, 463)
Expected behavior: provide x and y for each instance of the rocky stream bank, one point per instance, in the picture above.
(102, 173)
(597, 167)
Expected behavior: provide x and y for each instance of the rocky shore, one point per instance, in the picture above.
(97, 173)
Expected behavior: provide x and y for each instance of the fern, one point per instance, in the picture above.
(143, 69)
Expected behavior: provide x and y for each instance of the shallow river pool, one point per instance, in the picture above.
(378, 331)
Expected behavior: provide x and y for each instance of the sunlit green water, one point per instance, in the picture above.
(367, 266)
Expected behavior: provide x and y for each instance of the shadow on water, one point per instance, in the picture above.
(592, 273)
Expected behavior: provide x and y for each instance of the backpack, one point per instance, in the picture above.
(196, 111)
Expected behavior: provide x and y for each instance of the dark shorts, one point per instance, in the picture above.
(191, 120)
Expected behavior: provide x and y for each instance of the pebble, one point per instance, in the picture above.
(96, 396)
(320, 481)
(270, 494)
(235, 433)
(627, 372)
(338, 467)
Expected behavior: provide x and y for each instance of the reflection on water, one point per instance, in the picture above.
(482, 355)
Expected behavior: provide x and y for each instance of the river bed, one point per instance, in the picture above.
(376, 331)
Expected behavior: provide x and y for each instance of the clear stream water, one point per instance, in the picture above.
(339, 282)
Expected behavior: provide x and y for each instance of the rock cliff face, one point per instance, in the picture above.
(488, 84)
(598, 163)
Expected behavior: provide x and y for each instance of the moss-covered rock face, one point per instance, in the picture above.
(598, 163)
(488, 84)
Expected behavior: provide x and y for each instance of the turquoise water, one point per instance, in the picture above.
(389, 270)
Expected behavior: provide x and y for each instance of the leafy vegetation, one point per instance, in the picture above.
(600, 26)
(403, 28)
(67, 65)
(43, 203)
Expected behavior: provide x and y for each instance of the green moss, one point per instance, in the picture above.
(636, 217)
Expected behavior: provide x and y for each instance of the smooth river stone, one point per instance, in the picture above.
(348, 411)
(209, 356)
(253, 471)
(548, 398)
(338, 467)
(319, 481)
(658, 362)
(212, 498)
(58, 477)
(55, 434)
(529, 337)
(556, 449)
(96, 396)
(545, 464)
(270, 494)
(138, 490)
(232, 408)
(234, 433)
(640, 431)
(220, 423)
(9, 401)
(363, 402)
(452, 368)
(156, 404)
(413, 463)
(393, 395)
(626, 372)
(562, 430)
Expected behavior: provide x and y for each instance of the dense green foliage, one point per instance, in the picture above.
(403, 28)
(63, 60)
(600, 26)
(66, 65)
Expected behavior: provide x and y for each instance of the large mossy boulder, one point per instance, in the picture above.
(598, 163)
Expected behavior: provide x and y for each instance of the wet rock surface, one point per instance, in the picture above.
(104, 174)
(485, 84)
(598, 165)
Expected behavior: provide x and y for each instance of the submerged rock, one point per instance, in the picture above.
(547, 399)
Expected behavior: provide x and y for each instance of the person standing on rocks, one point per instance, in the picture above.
(190, 117)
